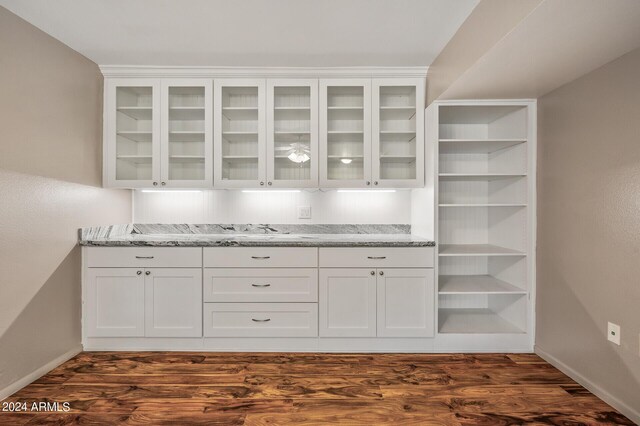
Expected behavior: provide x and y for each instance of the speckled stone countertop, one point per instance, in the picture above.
(212, 235)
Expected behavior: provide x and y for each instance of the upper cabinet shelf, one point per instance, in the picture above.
(264, 133)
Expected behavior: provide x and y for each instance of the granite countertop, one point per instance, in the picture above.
(212, 235)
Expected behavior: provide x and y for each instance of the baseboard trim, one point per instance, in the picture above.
(35, 375)
(625, 409)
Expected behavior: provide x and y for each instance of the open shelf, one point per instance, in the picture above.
(477, 250)
(482, 205)
(480, 176)
(475, 321)
(475, 284)
(476, 146)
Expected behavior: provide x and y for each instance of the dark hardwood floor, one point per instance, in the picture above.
(319, 389)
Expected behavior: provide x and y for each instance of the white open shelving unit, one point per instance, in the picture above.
(485, 215)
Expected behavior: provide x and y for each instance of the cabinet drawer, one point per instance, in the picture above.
(143, 257)
(260, 285)
(377, 257)
(260, 257)
(260, 319)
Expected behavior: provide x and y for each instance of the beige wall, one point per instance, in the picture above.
(50, 168)
(588, 252)
(486, 25)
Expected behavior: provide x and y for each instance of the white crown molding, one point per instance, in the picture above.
(130, 71)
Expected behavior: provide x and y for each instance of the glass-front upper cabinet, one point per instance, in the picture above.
(239, 129)
(132, 133)
(345, 133)
(398, 133)
(187, 139)
(292, 133)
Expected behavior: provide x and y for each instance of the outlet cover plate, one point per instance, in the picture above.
(613, 333)
(304, 212)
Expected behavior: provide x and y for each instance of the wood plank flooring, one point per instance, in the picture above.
(310, 389)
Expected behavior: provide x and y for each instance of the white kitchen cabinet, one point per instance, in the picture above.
(345, 133)
(398, 133)
(173, 302)
(114, 302)
(158, 133)
(132, 133)
(405, 302)
(186, 133)
(239, 133)
(292, 133)
(347, 302)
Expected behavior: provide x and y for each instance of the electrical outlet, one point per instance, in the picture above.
(304, 212)
(613, 333)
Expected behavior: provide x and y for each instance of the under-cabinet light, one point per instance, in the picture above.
(368, 191)
(173, 191)
(346, 160)
(262, 191)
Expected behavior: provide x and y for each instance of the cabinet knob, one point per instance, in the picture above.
(155, 183)
(261, 183)
(139, 272)
(164, 183)
(381, 273)
(375, 183)
(269, 183)
(373, 272)
(149, 273)
(368, 183)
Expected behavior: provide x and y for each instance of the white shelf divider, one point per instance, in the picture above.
(474, 321)
(476, 284)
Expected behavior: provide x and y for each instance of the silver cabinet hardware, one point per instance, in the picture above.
(269, 183)
(261, 183)
(261, 257)
(148, 273)
(381, 273)
(376, 257)
(139, 272)
(155, 183)
(260, 320)
(260, 285)
(375, 183)
(373, 272)
(164, 183)
(144, 257)
(368, 183)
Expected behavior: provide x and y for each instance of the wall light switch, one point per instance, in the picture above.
(613, 333)
(304, 212)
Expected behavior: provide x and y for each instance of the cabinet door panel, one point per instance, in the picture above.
(292, 133)
(187, 133)
(173, 302)
(398, 133)
(239, 133)
(406, 303)
(347, 303)
(132, 133)
(345, 133)
(115, 302)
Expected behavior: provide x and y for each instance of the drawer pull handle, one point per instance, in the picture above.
(144, 257)
(376, 257)
(260, 320)
(260, 285)
(261, 257)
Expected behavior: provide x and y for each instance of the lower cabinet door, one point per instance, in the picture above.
(347, 302)
(406, 300)
(260, 319)
(114, 302)
(173, 302)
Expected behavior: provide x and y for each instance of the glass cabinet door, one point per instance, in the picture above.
(345, 132)
(187, 143)
(132, 139)
(398, 133)
(292, 136)
(239, 120)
